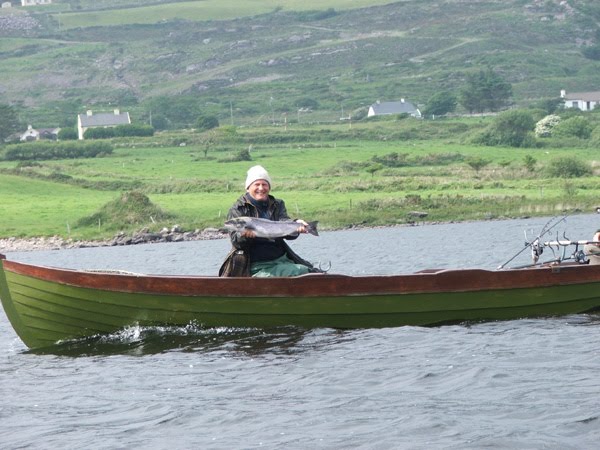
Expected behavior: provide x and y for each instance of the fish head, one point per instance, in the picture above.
(236, 224)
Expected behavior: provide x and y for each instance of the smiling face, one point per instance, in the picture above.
(259, 190)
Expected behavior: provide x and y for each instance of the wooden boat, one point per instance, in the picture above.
(47, 305)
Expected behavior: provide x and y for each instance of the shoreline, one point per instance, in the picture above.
(175, 234)
(13, 244)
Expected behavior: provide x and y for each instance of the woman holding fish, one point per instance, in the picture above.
(258, 224)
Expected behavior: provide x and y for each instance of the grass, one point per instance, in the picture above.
(40, 208)
(205, 10)
(320, 179)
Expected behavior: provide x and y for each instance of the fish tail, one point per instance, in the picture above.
(312, 228)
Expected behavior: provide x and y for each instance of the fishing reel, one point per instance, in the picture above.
(536, 250)
(580, 257)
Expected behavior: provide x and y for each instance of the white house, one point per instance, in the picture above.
(30, 134)
(6, 5)
(33, 134)
(585, 101)
(386, 108)
(103, 120)
(35, 2)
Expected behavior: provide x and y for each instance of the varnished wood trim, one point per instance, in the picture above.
(317, 285)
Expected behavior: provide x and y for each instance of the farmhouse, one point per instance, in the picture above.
(386, 108)
(101, 120)
(33, 134)
(585, 101)
(35, 2)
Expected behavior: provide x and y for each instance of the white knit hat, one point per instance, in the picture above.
(257, 173)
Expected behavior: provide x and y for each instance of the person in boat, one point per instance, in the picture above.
(262, 257)
(592, 251)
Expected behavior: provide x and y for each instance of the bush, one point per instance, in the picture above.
(134, 130)
(242, 155)
(440, 103)
(511, 128)
(39, 151)
(119, 131)
(131, 208)
(392, 160)
(99, 133)
(568, 167)
(595, 137)
(205, 123)
(579, 127)
(529, 162)
(545, 126)
(68, 134)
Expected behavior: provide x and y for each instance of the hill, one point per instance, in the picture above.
(258, 62)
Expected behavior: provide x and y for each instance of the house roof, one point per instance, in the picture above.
(104, 119)
(48, 130)
(593, 96)
(393, 107)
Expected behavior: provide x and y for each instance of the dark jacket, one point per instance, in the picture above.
(239, 258)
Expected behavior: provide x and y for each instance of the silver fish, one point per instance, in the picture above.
(269, 229)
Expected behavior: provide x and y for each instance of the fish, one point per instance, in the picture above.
(268, 229)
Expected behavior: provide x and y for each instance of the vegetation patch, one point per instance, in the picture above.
(39, 151)
(131, 208)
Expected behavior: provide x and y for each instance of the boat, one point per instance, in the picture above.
(50, 305)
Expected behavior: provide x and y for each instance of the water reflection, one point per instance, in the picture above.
(141, 341)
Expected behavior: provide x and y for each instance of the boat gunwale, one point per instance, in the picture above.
(314, 285)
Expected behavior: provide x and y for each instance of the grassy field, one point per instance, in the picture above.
(336, 181)
(204, 10)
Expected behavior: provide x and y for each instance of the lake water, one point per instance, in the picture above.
(526, 384)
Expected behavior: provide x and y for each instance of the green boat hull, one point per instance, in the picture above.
(45, 309)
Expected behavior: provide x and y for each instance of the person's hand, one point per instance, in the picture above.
(248, 234)
(303, 224)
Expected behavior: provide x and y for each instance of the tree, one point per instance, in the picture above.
(511, 128)
(208, 141)
(592, 52)
(550, 105)
(9, 121)
(178, 111)
(477, 163)
(206, 122)
(440, 103)
(485, 91)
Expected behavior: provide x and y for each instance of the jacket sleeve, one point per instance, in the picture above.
(239, 242)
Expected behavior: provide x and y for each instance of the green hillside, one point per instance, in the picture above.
(266, 61)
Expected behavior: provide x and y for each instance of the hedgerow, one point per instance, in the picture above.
(40, 151)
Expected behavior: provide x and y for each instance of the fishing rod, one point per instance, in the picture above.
(537, 248)
(578, 255)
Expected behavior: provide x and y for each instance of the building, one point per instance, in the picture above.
(585, 101)
(387, 108)
(33, 134)
(35, 2)
(102, 120)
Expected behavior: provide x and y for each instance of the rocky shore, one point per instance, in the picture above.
(144, 236)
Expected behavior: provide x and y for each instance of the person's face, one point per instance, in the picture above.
(259, 190)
